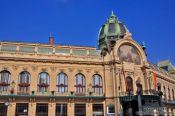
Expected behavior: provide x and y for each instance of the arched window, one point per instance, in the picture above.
(79, 84)
(97, 84)
(158, 86)
(43, 82)
(173, 93)
(169, 96)
(164, 90)
(62, 82)
(24, 83)
(129, 85)
(4, 80)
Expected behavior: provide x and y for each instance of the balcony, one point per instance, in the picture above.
(51, 94)
(168, 103)
(145, 95)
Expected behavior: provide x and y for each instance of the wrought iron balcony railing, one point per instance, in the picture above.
(143, 92)
(168, 102)
(51, 94)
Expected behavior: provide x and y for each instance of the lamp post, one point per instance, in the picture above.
(139, 92)
(160, 93)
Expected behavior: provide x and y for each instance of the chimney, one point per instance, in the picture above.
(51, 40)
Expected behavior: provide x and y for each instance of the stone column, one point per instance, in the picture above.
(32, 109)
(89, 109)
(11, 109)
(52, 109)
(70, 109)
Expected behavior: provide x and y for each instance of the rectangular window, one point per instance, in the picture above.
(80, 110)
(97, 109)
(61, 109)
(21, 109)
(3, 109)
(41, 109)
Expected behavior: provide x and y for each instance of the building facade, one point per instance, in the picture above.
(57, 80)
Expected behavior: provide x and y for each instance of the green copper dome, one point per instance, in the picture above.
(110, 32)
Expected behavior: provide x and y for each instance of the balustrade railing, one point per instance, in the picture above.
(49, 94)
(143, 92)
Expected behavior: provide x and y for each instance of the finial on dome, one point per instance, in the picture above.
(112, 14)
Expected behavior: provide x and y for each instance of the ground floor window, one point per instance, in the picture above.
(97, 109)
(3, 109)
(110, 110)
(41, 109)
(172, 113)
(21, 109)
(80, 110)
(61, 109)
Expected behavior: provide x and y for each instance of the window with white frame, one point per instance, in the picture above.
(110, 110)
(97, 84)
(24, 82)
(79, 84)
(4, 80)
(62, 83)
(43, 82)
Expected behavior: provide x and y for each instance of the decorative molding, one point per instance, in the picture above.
(5, 68)
(24, 68)
(88, 70)
(15, 67)
(61, 70)
(34, 68)
(70, 70)
(52, 68)
(43, 69)
(96, 72)
(80, 71)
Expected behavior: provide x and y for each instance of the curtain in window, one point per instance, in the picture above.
(24, 83)
(79, 84)
(4, 80)
(62, 83)
(43, 82)
(97, 84)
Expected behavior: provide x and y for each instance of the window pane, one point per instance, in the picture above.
(3, 109)
(61, 109)
(80, 110)
(41, 109)
(97, 109)
(97, 84)
(21, 109)
(62, 82)
(79, 83)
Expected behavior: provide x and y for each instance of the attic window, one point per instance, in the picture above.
(112, 28)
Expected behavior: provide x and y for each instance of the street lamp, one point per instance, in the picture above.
(139, 92)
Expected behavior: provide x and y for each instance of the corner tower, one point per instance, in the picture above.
(109, 33)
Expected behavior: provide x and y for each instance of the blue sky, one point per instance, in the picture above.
(77, 22)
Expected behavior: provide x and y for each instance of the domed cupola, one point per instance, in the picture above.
(109, 33)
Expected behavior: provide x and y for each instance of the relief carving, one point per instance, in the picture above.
(52, 68)
(15, 67)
